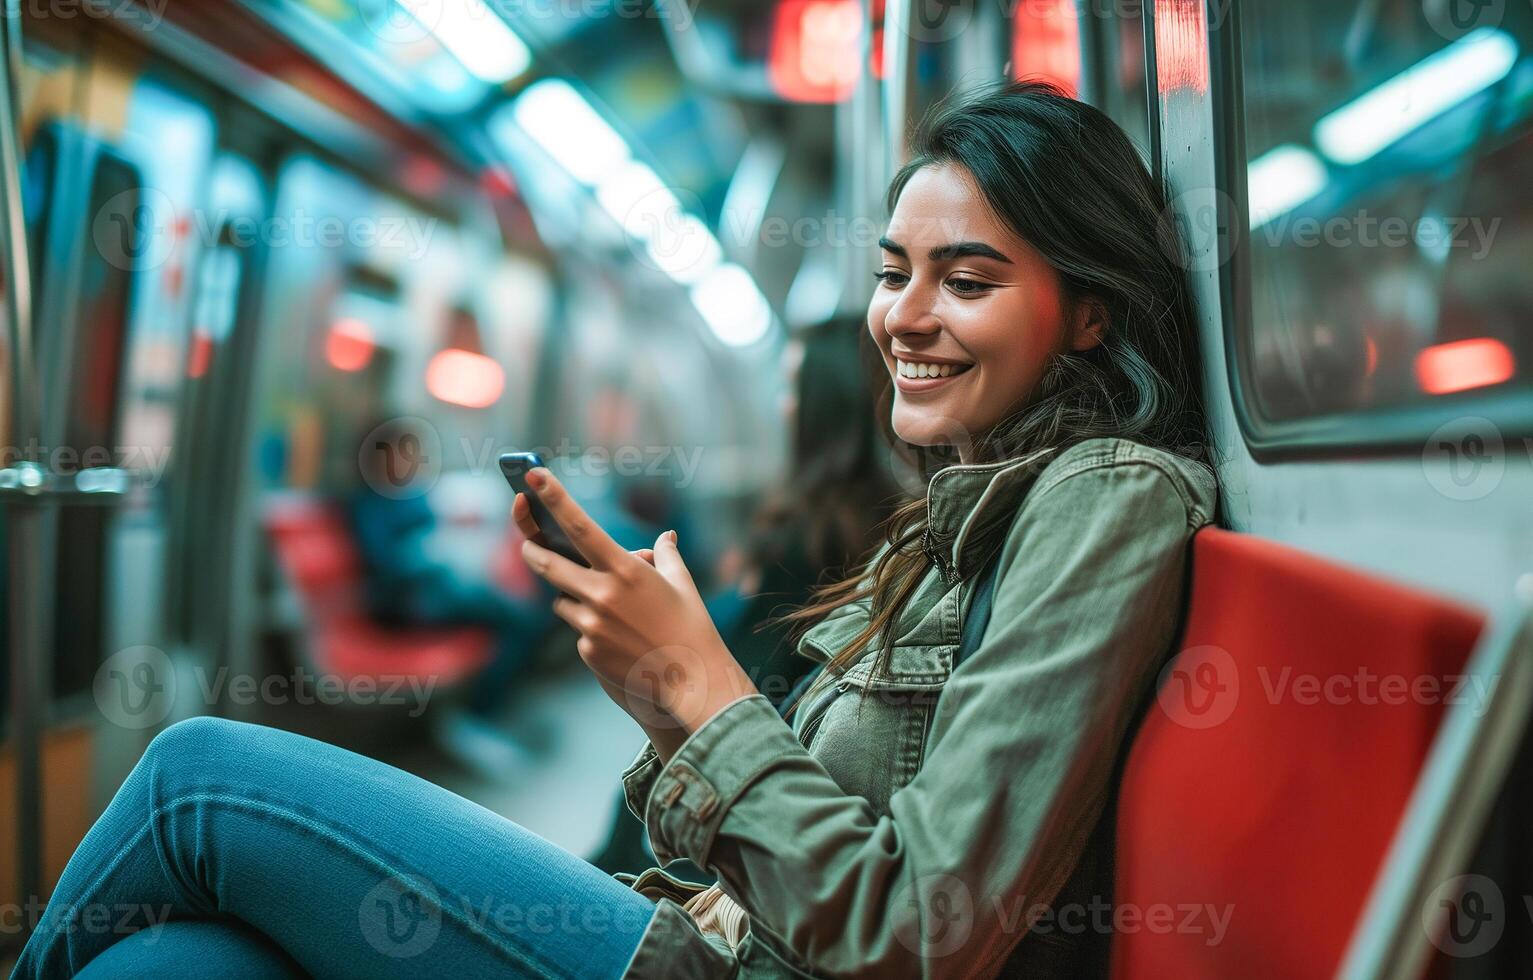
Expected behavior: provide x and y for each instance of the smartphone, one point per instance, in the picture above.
(514, 467)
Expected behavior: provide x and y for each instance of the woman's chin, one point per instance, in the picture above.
(929, 429)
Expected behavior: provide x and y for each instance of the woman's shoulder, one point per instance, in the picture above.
(1101, 459)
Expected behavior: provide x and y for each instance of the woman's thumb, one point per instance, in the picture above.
(668, 559)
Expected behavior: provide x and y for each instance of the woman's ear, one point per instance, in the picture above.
(1088, 324)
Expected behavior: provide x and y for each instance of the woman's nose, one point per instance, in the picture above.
(912, 313)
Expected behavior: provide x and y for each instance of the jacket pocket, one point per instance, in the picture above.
(656, 883)
(922, 656)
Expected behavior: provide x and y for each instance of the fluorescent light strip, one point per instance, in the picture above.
(1380, 116)
(475, 35)
(563, 123)
(570, 131)
(1280, 180)
(732, 306)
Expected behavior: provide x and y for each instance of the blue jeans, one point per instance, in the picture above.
(274, 855)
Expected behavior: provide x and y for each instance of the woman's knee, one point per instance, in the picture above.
(200, 742)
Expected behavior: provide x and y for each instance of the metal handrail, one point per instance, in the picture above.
(23, 520)
(899, 48)
(25, 403)
(1469, 763)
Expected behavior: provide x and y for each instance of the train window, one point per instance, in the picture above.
(1389, 218)
(217, 303)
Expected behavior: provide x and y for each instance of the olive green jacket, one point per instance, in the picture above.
(907, 822)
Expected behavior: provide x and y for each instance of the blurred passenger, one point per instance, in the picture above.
(392, 522)
(816, 523)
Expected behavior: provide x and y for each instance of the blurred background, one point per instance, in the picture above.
(284, 277)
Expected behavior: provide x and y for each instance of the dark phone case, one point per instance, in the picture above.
(514, 467)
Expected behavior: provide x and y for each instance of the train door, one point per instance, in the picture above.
(82, 386)
(204, 481)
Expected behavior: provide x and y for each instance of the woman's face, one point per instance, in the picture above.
(967, 315)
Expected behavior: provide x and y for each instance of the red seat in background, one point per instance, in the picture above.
(315, 549)
(1240, 794)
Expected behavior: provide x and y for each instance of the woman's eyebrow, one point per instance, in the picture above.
(956, 250)
(952, 250)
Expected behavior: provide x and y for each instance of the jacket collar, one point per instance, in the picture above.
(957, 495)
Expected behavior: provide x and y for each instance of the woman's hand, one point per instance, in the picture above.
(644, 631)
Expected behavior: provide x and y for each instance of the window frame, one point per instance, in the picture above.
(1386, 430)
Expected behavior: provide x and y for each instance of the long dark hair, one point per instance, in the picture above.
(1066, 180)
(839, 487)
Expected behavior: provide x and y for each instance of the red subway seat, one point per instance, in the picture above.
(315, 549)
(1269, 775)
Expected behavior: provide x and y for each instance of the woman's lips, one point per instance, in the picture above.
(917, 385)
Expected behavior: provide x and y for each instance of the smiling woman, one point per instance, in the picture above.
(963, 303)
(1031, 297)
(1032, 322)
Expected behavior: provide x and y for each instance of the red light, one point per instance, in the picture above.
(200, 355)
(350, 345)
(423, 175)
(461, 377)
(1463, 364)
(1046, 44)
(816, 49)
(497, 182)
(1181, 47)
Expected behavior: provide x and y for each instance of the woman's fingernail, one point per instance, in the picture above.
(535, 478)
(672, 533)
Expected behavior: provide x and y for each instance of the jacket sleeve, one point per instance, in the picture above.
(639, 778)
(1022, 746)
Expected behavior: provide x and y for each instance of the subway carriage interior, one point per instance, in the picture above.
(248, 242)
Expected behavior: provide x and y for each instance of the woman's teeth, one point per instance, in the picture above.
(922, 369)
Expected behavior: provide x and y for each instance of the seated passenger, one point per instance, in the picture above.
(910, 812)
(392, 522)
(818, 521)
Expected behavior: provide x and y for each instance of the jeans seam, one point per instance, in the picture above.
(86, 896)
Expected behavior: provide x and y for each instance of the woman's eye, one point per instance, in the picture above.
(891, 277)
(968, 286)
